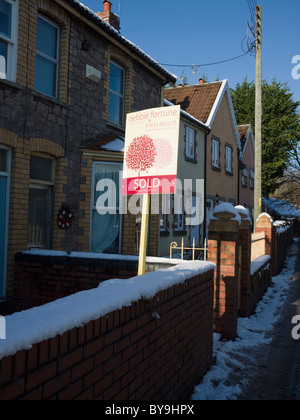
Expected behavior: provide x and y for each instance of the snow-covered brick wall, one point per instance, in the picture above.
(127, 339)
(41, 323)
(257, 264)
(226, 208)
(44, 276)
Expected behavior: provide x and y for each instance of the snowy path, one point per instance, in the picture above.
(245, 359)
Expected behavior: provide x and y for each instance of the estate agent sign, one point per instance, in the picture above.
(151, 151)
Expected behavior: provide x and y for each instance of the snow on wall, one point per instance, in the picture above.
(226, 208)
(257, 264)
(24, 329)
(265, 214)
(98, 256)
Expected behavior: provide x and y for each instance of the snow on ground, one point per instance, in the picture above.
(227, 377)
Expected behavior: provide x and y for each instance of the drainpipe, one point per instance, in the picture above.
(239, 175)
(205, 187)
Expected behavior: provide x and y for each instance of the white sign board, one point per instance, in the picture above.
(151, 151)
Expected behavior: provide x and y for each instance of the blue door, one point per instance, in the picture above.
(3, 200)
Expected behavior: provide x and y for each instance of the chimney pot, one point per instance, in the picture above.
(107, 6)
(108, 16)
(201, 81)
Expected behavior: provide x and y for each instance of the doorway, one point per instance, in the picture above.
(5, 157)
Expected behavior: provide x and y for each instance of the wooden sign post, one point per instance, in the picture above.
(144, 234)
(150, 161)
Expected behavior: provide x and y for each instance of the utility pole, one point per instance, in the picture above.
(258, 118)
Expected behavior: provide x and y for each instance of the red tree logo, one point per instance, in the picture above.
(164, 153)
(141, 154)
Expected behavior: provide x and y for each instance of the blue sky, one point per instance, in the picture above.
(198, 32)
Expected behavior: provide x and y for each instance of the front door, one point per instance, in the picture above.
(39, 217)
(3, 228)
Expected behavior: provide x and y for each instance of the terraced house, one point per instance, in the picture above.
(211, 103)
(68, 78)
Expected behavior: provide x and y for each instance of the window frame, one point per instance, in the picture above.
(10, 73)
(180, 215)
(229, 159)
(244, 177)
(117, 94)
(190, 139)
(165, 211)
(40, 181)
(216, 164)
(46, 57)
(252, 179)
(93, 205)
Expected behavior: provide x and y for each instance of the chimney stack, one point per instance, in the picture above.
(108, 16)
(201, 81)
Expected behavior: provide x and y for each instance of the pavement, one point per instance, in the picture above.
(276, 375)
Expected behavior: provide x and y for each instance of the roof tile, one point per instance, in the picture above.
(197, 100)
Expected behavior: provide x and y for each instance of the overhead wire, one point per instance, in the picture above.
(249, 37)
(207, 64)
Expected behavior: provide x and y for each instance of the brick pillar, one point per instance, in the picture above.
(245, 260)
(265, 224)
(223, 250)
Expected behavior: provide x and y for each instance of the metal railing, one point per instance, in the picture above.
(193, 249)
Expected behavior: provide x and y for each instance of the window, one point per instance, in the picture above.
(47, 57)
(244, 177)
(41, 168)
(116, 109)
(40, 202)
(252, 179)
(178, 212)
(8, 39)
(216, 153)
(229, 159)
(165, 211)
(106, 218)
(190, 143)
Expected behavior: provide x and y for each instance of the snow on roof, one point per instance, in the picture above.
(189, 116)
(116, 145)
(82, 8)
(24, 329)
(281, 208)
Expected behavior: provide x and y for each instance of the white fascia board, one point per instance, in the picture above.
(224, 89)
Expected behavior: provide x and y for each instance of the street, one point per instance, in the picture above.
(277, 373)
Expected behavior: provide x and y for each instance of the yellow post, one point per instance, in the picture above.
(193, 249)
(144, 234)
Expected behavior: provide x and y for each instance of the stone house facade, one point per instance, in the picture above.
(70, 78)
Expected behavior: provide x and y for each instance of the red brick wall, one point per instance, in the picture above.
(224, 252)
(245, 243)
(43, 279)
(130, 354)
(283, 242)
(260, 282)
